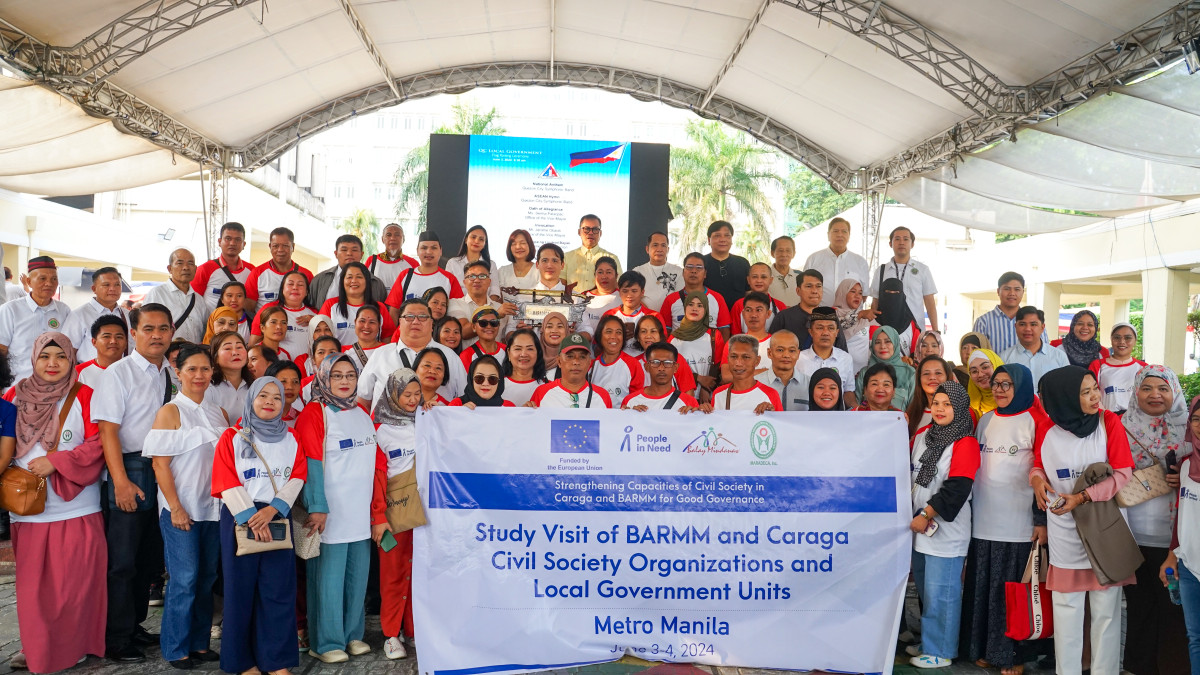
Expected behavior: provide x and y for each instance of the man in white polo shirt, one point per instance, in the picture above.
(106, 285)
(744, 392)
(416, 333)
(823, 327)
(22, 321)
(914, 275)
(836, 263)
(188, 310)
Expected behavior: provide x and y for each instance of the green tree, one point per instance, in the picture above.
(363, 224)
(412, 176)
(721, 175)
(812, 200)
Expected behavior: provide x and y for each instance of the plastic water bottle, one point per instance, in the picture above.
(1173, 585)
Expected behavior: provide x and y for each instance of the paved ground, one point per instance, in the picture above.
(373, 663)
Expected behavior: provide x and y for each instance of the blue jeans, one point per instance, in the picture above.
(192, 558)
(939, 585)
(337, 592)
(1189, 593)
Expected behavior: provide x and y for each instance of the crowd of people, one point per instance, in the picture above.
(241, 408)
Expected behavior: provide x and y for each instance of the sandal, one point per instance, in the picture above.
(1013, 670)
(302, 640)
(982, 663)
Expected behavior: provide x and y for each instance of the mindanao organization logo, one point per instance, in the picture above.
(575, 436)
(711, 441)
(763, 440)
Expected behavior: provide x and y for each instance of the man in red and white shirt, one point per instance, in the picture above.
(693, 280)
(110, 340)
(632, 288)
(661, 394)
(212, 276)
(388, 265)
(262, 286)
(572, 389)
(412, 283)
(759, 280)
(744, 392)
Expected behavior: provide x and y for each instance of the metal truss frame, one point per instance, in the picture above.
(642, 86)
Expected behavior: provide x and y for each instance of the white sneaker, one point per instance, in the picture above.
(331, 656)
(913, 650)
(394, 649)
(927, 661)
(17, 662)
(358, 648)
(216, 631)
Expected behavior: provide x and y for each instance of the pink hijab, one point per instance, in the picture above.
(1189, 437)
(37, 400)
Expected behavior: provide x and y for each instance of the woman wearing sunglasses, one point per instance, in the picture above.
(485, 386)
(486, 323)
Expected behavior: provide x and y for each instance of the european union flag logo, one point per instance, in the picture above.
(575, 436)
(345, 444)
(398, 452)
(248, 474)
(1063, 473)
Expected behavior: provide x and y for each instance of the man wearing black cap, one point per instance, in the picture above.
(572, 389)
(412, 283)
(823, 328)
(23, 320)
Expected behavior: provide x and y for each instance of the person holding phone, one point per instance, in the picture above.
(396, 432)
(259, 617)
(945, 459)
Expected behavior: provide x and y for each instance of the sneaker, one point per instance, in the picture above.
(913, 650)
(17, 662)
(393, 648)
(331, 656)
(358, 648)
(927, 661)
(156, 595)
(216, 631)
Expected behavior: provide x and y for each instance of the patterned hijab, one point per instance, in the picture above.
(689, 330)
(1189, 437)
(1154, 436)
(37, 400)
(322, 386)
(1081, 353)
(982, 401)
(257, 428)
(387, 409)
(941, 345)
(906, 375)
(939, 437)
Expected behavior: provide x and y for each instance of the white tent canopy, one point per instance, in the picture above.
(871, 94)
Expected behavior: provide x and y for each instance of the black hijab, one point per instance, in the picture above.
(893, 306)
(1080, 353)
(472, 396)
(939, 437)
(825, 374)
(1060, 397)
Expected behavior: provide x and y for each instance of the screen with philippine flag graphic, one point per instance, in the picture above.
(544, 185)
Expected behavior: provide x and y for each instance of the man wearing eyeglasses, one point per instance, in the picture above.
(694, 276)
(661, 394)
(477, 278)
(416, 333)
(571, 389)
(580, 263)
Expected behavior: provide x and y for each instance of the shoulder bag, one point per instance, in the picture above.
(307, 545)
(244, 538)
(23, 492)
(1028, 615)
(404, 510)
(1146, 484)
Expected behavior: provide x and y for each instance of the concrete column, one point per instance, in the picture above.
(1113, 310)
(1048, 298)
(1164, 324)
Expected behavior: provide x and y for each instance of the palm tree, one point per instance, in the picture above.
(412, 176)
(363, 224)
(721, 176)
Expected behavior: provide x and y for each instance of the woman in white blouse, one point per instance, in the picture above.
(520, 272)
(181, 443)
(474, 247)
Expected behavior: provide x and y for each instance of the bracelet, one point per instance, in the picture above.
(1086, 497)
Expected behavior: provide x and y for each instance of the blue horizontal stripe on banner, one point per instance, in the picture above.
(516, 666)
(774, 494)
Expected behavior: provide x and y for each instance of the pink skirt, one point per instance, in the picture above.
(62, 596)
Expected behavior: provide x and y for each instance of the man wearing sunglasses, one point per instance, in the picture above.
(661, 394)
(572, 389)
(477, 278)
(416, 333)
(485, 324)
(581, 262)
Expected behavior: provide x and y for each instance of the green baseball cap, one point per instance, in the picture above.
(575, 341)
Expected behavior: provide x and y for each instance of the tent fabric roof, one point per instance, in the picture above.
(244, 73)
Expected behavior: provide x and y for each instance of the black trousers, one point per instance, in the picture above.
(135, 551)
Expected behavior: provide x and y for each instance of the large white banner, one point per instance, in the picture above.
(566, 537)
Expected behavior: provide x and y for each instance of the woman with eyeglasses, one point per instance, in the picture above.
(1005, 520)
(338, 437)
(485, 386)
(525, 367)
(1117, 371)
(366, 329)
(982, 364)
(474, 248)
(486, 324)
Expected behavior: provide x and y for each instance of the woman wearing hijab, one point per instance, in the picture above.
(825, 391)
(61, 554)
(259, 616)
(553, 330)
(981, 365)
(1156, 422)
(698, 344)
(966, 345)
(929, 344)
(931, 372)
(1005, 520)
(1077, 435)
(894, 311)
(1184, 555)
(1080, 343)
(485, 386)
(396, 433)
(320, 326)
(339, 439)
(182, 442)
(884, 349)
(221, 320)
(848, 302)
(945, 459)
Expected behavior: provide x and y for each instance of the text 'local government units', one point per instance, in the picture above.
(560, 538)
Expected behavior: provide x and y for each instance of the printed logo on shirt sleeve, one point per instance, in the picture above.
(1063, 473)
(345, 444)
